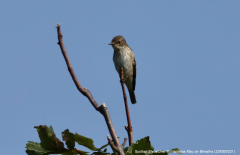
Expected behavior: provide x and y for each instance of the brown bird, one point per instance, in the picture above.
(123, 57)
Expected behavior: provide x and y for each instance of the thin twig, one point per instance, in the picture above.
(124, 142)
(126, 128)
(103, 108)
(129, 131)
(84, 91)
(112, 144)
(78, 151)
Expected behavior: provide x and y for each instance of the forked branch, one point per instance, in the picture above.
(103, 108)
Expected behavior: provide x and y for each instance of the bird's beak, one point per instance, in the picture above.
(111, 44)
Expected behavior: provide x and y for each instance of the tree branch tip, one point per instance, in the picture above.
(126, 128)
(104, 105)
(58, 25)
(124, 142)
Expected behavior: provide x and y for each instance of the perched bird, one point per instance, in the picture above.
(123, 57)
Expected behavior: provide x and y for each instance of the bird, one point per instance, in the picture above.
(123, 56)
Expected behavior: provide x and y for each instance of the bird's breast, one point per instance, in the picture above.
(124, 58)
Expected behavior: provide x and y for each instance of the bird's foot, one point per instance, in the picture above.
(123, 80)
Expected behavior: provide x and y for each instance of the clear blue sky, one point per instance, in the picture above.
(188, 76)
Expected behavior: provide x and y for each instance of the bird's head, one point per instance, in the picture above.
(118, 42)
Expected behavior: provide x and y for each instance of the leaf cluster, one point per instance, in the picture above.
(50, 144)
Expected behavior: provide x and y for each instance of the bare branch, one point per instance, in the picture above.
(124, 142)
(129, 127)
(105, 113)
(84, 91)
(103, 108)
(112, 144)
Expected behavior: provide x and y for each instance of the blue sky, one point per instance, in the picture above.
(187, 55)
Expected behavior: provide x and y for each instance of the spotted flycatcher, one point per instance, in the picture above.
(123, 57)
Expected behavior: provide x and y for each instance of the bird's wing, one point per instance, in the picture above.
(134, 73)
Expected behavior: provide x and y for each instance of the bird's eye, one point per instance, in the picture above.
(119, 42)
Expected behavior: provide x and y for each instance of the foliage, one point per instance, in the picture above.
(50, 144)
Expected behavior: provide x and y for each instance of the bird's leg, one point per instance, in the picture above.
(122, 79)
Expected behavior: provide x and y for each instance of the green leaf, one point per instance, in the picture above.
(161, 153)
(34, 148)
(49, 141)
(73, 152)
(142, 146)
(105, 150)
(176, 150)
(70, 152)
(102, 147)
(69, 139)
(87, 142)
(128, 150)
(83, 152)
(100, 153)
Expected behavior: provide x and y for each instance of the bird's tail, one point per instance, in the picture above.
(132, 97)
